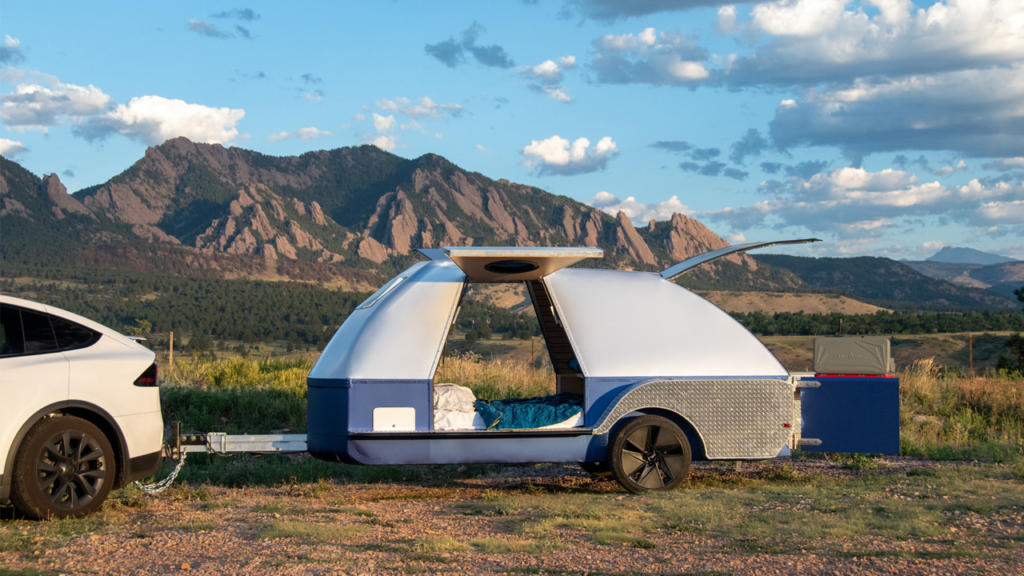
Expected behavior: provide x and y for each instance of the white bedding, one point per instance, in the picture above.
(454, 420)
(453, 410)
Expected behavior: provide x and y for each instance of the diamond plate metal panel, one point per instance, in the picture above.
(737, 419)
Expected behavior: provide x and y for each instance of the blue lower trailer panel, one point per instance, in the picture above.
(859, 415)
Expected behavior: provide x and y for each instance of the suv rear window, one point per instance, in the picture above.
(12, 340)
(39, 336)
(24, 332)
(71, 336)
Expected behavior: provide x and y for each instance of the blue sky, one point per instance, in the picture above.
(884, 127)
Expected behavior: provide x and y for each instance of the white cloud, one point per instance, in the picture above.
(383, 123)
(948, 169)
(638, 212)
(411, 125)
(427, 108)
(944, 111)
(649, 58)
(384, 142)
(154, 119)
(319, 96)
(11, 148)
(303, 133)
(726, 21)
(611, 10)
(854, 203)
(481, 148)
(1011, 212)
(798, 17)
(41, 101)
(735, 238)
(869, 226)
(814, 43)
(547, 76)
(10, 51)
(359, 118)
(549, 71)
(933, 245)
(556, 155)
(555, 92)
(1005, 164)
(976, 190)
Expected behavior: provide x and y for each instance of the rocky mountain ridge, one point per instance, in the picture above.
(329, 212)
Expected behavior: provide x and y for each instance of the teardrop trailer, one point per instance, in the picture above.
(661, 376)
(649, 377)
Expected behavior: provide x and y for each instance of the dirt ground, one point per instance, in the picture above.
(779, 517)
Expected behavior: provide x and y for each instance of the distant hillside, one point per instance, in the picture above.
(1002, 279)
(886, 283)
(348, 217)
(952, 255)
(776, 303)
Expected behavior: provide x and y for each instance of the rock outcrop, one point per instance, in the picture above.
(628, 242)
(60, 202)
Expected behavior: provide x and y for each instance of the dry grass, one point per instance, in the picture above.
(241, 372)
(947, 416)
(497, 379)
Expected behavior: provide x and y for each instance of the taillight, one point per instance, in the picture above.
(148, 378)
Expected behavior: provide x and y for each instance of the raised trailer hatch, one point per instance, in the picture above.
(486, 264)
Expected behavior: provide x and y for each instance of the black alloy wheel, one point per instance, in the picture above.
(649, 453)
(65, 468)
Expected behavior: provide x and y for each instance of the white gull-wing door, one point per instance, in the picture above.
(639, 325)
(399, 331)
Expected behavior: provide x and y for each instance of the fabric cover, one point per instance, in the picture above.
(455, 420)
(529, 413)
(453, 398)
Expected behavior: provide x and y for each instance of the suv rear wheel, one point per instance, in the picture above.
(64, 468)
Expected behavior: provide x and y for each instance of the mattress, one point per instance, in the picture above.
(456, 408)
(453, 420)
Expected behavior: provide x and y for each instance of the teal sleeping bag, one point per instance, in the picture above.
(527, 413)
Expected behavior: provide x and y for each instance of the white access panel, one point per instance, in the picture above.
(394, 419)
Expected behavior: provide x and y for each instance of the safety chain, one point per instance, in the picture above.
(166, 482)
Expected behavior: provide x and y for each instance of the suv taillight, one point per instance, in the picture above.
(148, 378)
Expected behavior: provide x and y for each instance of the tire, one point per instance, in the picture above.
(649, 453)
(64, 468)
(597, 469)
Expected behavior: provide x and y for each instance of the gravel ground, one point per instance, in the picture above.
(421, 528)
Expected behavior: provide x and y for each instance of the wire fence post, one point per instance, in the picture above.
(970, 347)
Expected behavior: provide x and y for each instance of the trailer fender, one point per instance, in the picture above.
(733, 419)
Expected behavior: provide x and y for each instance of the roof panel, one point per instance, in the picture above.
(515, 264)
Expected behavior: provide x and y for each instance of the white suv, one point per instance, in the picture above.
(79, 410)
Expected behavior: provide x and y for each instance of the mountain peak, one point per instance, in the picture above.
(953, 255)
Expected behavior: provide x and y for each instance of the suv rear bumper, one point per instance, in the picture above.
(143, 466)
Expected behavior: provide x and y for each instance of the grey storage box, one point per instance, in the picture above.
(861, 356)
